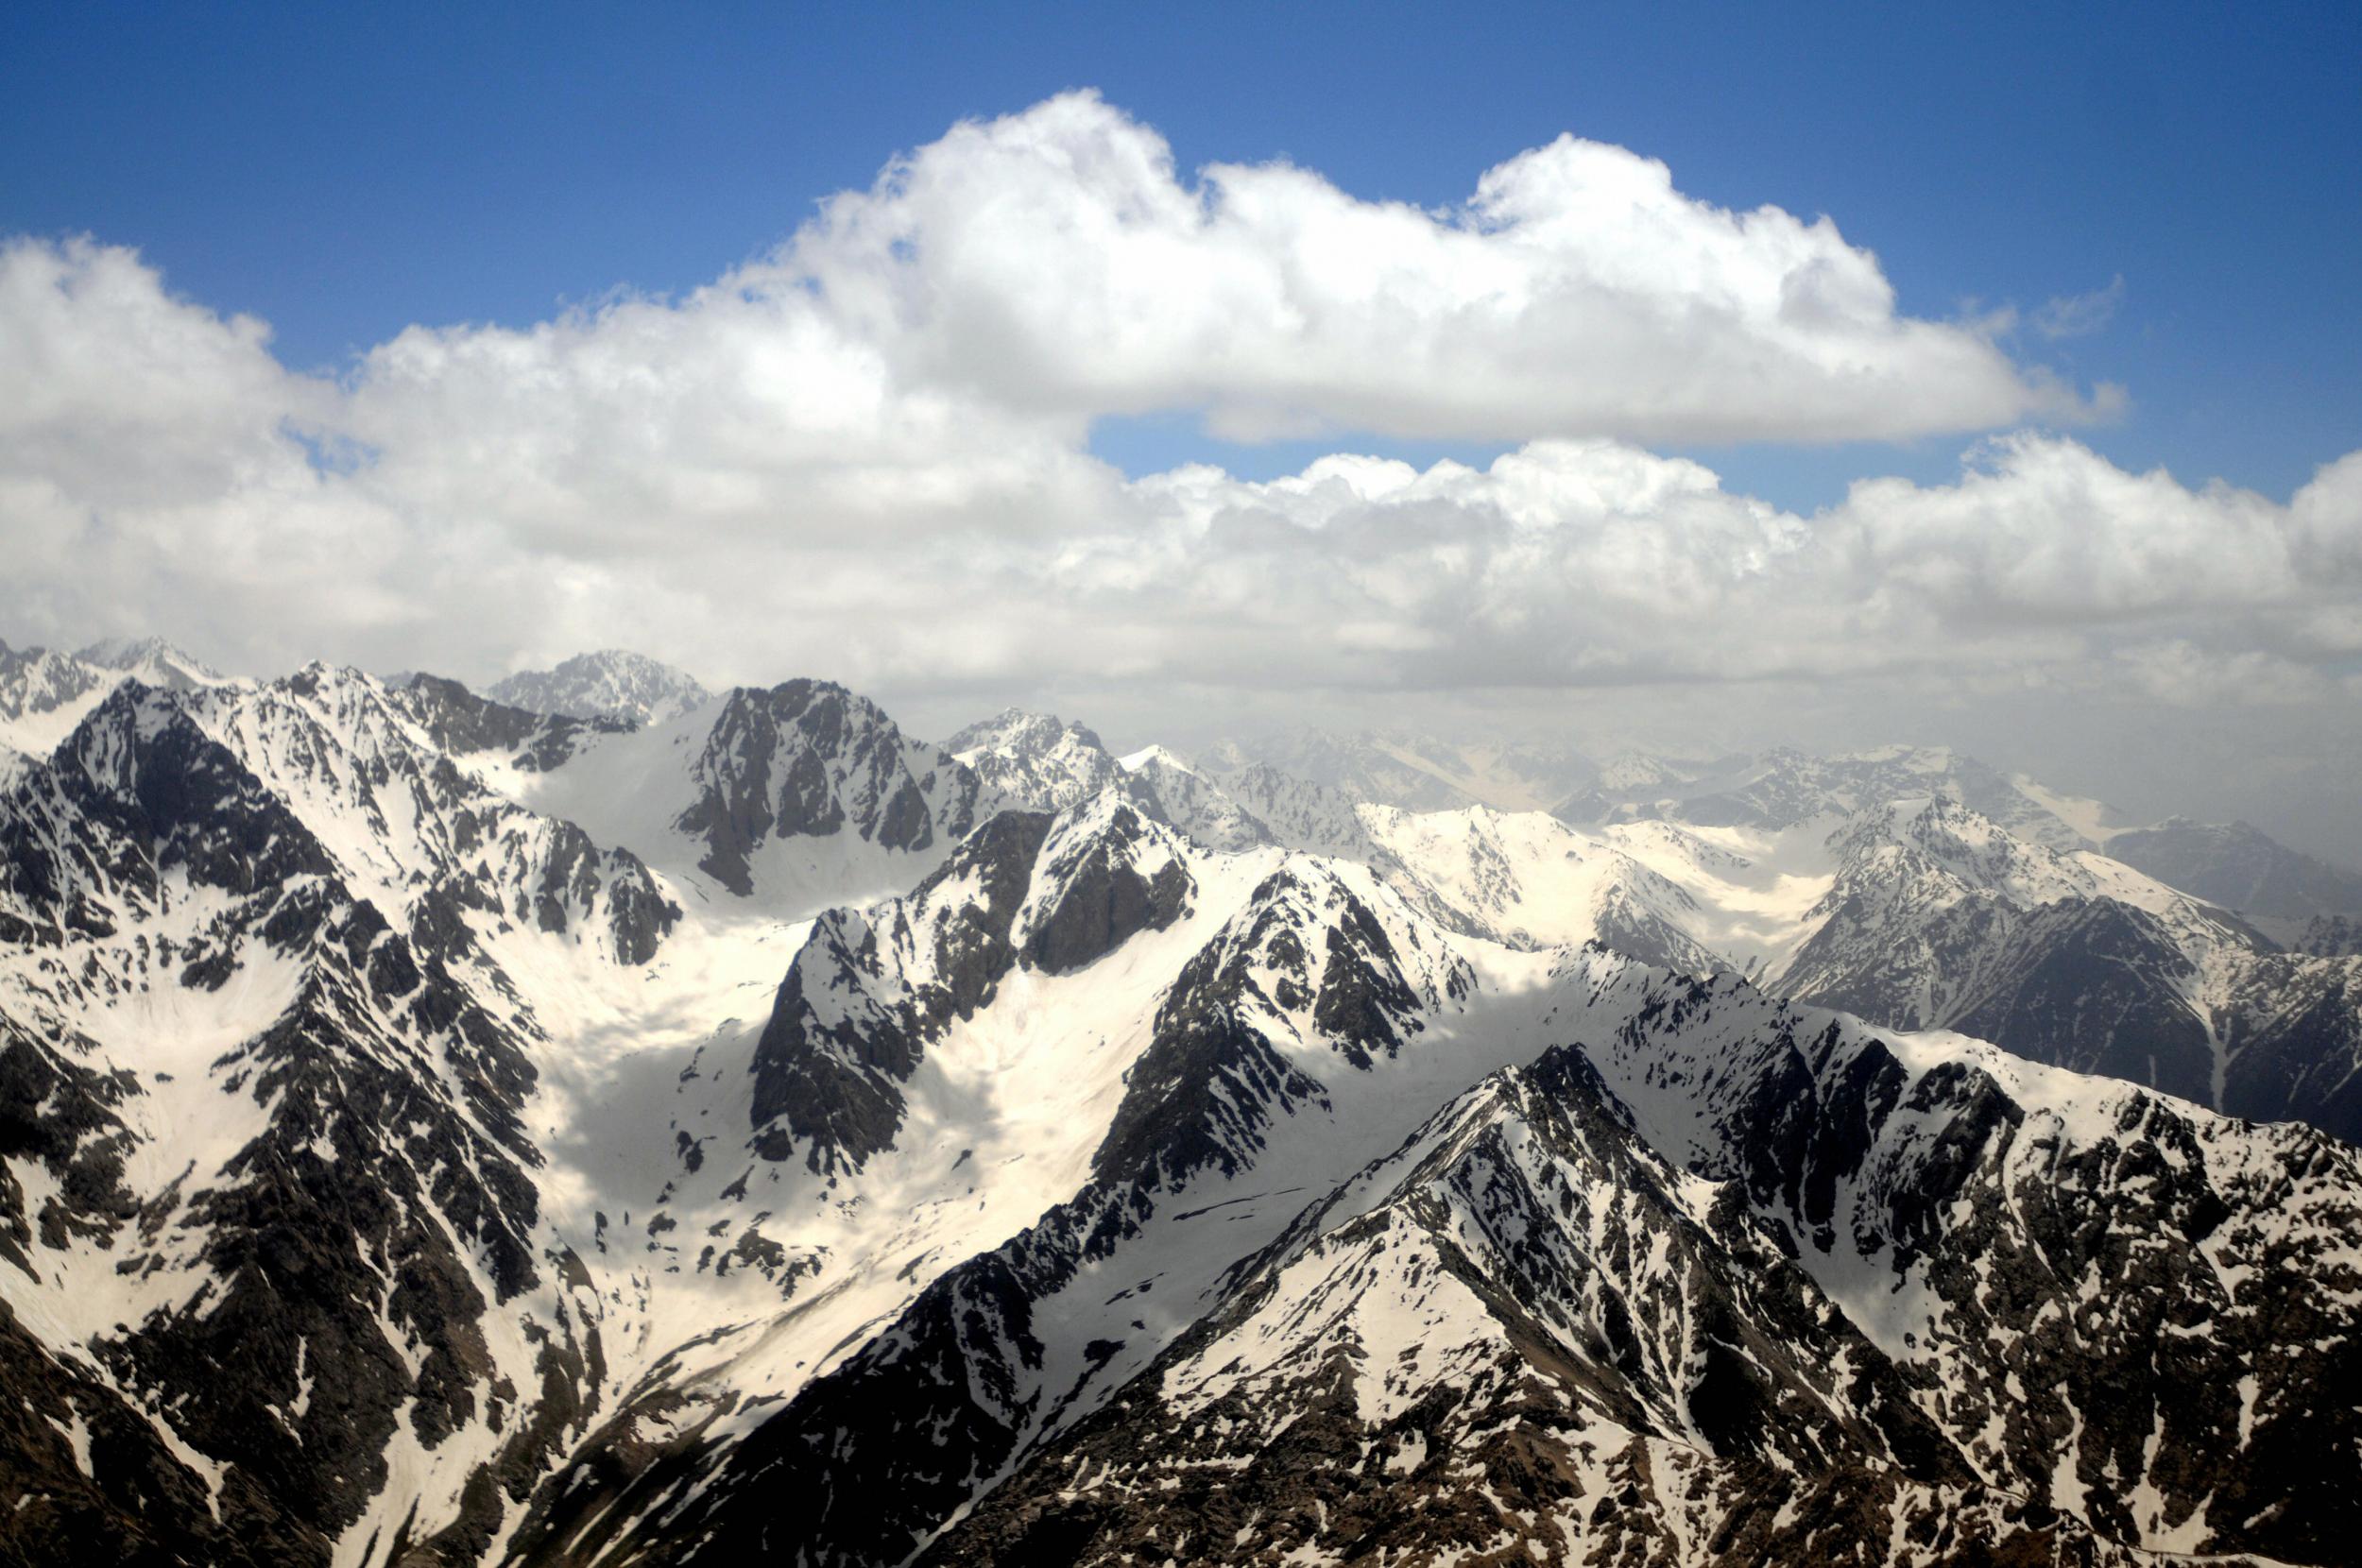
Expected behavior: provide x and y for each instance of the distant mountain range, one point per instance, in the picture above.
(613, 684)
(634, 1124)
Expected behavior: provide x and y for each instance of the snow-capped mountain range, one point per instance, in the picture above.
(43, 695)
(631, 1124)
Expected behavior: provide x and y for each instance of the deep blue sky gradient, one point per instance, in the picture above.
(344, 171)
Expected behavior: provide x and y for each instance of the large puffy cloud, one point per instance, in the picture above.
(741, 487)
(935, 348)
(866, 456)
(1055, 260)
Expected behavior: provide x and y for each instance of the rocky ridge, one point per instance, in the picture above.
(398, 1167)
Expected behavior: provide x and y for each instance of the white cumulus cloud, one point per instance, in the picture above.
(866, 456)
(1057, 259)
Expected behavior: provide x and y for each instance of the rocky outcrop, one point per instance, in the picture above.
(1104, 887)
(461, 723)
(1531, 1327)
(319, 1215)
(613, 687)
(811, 759)
(870, 988)
(1036, 760)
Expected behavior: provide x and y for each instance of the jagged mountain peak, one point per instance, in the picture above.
(1250, 804)
(871, 989)
(44, 693)
(467, 726)
(1020, 726)
(387, 1170)
(1155, 756)
(781, 800)
(153, 660)
(1632, 1280)
(35, 682)
(808, 758)
(1628, 771)
(2330, 936)
(1035, 759)
(612, 684)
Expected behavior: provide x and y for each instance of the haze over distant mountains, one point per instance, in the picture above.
(611, 683)
(440, 1128)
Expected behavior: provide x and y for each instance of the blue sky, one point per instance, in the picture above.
(344, 171)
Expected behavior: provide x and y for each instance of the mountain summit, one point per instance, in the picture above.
(610, 684)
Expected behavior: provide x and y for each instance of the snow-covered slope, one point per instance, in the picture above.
(782, 801)
(433, 1132)
(1034, 760)
(1293, 1045)
(1918, 913)
(630, 688)
(153, 661)
(1914, 911)
(1202, 806)
(1250, 805)
(269, 1207)
(1934, 917)
(1526, 879)
(44, 695)
(1731, 1283)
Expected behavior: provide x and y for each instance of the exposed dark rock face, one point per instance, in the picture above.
(2294, 1038)
(89, 1480)
(966, 1358)
(373, 1206)
(2082, 1238)
(1935, 920)
(2094, 985)
(1481, 1306)
(1102, 899)
(809, 759)
(343, 749)
(1212, 1082)
(2098, 986)
(1331, 1231)
(574, 871)
(870, 988)
(55, 1111)
(2330, 936)
(462, 723)
(2090, 984)
(1531, 1302)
